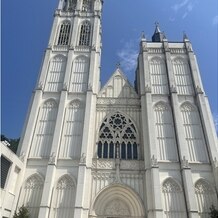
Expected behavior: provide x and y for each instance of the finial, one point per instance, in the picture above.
(156, 24)
(164, 35)
(143, 35)
(157, 28)
(185, 37)
(118, 65)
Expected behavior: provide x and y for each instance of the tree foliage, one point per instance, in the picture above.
(13, 143)
(213, 212)
(22, 213)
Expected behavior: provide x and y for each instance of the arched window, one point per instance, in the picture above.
(33, 194)
(71, 142)
(117, 136)
(194, 133)
(158, 75)
(79, 75)
(85, 33)
(183, 77)
(56, 71)
(165, 133)
(87, 5)
(206, 197)
(173, 197)
(69, 5)
(44, 130)
(64, 198)
(64, 34)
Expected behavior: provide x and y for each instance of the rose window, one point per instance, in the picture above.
(117, 138)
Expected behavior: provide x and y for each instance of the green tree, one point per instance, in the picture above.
(22, 213)
(13, 143)
(213, 212)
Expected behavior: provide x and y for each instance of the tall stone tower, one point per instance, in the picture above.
(117, 151)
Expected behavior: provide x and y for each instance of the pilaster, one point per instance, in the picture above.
(83, 193)
(186, 173)
(154, 204)
(44, 69)
(45, 205)
(194, 67)
(54, 30)
(30, 124)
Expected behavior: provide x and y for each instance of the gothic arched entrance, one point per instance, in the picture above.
(117, 201)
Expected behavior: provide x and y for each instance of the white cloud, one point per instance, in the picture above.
(215, 20)
(186, 6)
(128, 56)
(176, 7)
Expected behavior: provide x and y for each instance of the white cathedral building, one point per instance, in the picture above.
(116, 151)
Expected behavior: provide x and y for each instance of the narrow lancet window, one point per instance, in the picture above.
(85, 34)
(87, 5)
(64, 34)
(69, 5)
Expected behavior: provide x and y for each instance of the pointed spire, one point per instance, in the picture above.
(185, 37)
(157, 28)
(143, 36)
(118, 65)
(158, 36)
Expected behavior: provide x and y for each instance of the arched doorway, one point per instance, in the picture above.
(117, 201)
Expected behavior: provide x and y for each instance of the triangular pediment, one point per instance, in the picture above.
(118, 86)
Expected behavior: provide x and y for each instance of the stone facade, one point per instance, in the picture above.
(117, 151)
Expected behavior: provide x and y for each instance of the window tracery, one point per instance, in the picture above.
(85, 34)
(87, 5)
(174, 202)
(70, 5)
(64, 198)
(118, 136)
(32, 194)
(205, 196)
(183, 76)
(64, 34)
(194, 133)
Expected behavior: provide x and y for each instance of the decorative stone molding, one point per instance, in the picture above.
(147, 89)
(154, 163)
(52, 158)
(83, 159)
(123, 101)
(185, 163)
(199, 90)
(22, 156)
(130, 164)
(145, 49)
(117, 208)
(117, 175)
(177, 50)
(155, 50)
(65, 87)
(90, 87)
(173, 89)
(189, 48)
(103, 164)
(39, 86)
(215, 162)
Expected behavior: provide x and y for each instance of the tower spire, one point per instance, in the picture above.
(158, 35)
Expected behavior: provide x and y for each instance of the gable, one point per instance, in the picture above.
(118, 87)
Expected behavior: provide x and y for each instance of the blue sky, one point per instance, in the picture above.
(26, 27)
